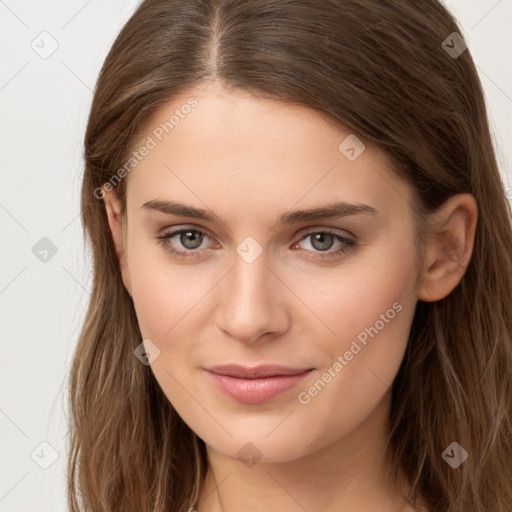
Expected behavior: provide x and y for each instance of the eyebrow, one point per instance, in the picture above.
(330, 210)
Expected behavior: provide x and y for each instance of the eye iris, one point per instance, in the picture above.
(192, 237)
(321, 237)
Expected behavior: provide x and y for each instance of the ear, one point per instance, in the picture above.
(117, 223)
(449, 250)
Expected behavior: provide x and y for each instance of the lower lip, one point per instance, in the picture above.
(256, 391)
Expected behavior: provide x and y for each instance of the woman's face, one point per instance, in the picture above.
(329, 297)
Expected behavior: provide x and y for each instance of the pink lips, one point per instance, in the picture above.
(258, 384)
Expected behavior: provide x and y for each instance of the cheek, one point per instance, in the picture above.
(358, 373)
(163, 292)
(360, 295)
(166, 298)
(367, 314)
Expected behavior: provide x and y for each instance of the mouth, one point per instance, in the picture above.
(257, 384)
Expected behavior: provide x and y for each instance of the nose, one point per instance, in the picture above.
(252, 302)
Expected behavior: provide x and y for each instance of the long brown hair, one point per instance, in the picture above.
(380, 68)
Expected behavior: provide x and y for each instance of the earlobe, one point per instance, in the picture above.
(116, 221)
(450, 247)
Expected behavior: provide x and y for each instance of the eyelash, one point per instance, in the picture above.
(348, 244)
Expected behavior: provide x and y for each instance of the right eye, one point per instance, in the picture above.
(190, 240)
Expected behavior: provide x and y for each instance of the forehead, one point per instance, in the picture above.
(223, 147)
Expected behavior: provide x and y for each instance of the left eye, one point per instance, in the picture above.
(324, 240)
(192, 239)
(321, 241)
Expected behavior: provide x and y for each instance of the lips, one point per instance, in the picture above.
(245, 372)
(254, 385)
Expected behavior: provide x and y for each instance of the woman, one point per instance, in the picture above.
(302, 288)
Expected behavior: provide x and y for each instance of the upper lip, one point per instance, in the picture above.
(245, 372)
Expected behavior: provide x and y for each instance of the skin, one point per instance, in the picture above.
(250, 160)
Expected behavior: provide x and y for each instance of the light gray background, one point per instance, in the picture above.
(44, 108)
